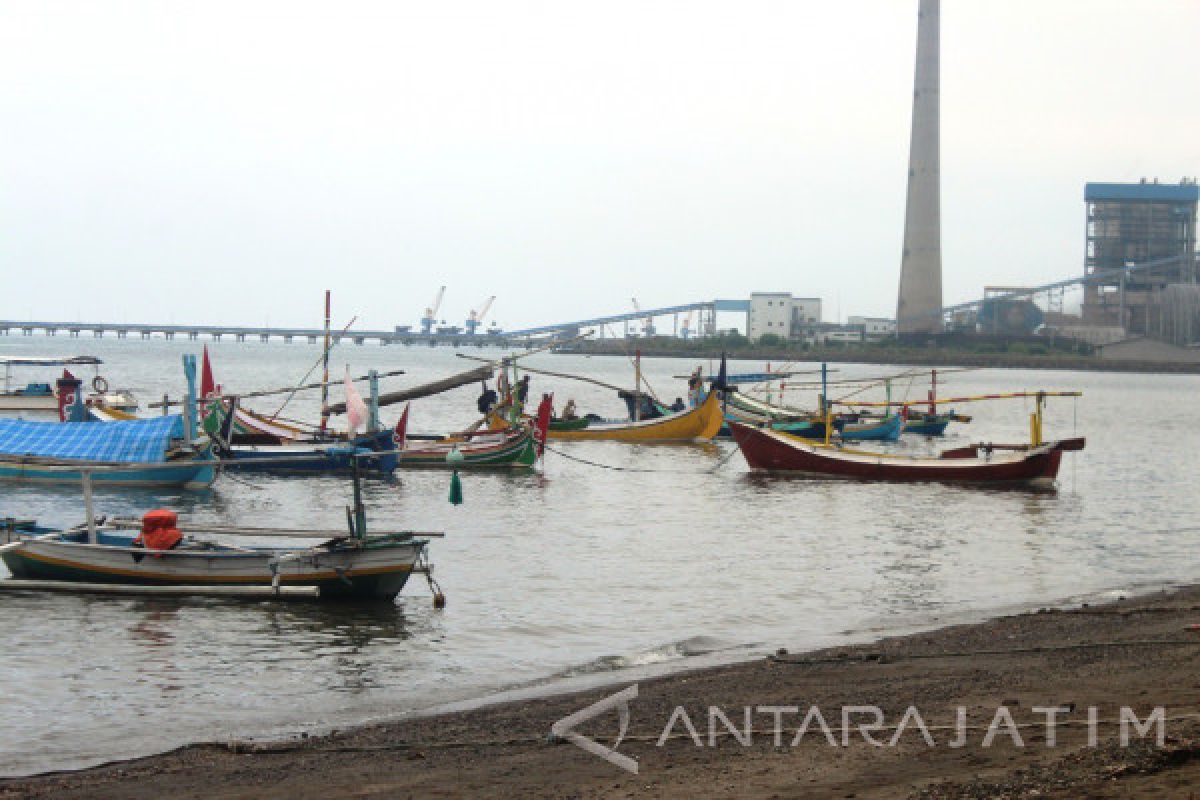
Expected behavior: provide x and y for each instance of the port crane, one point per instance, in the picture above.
(476, 317)
(430, 317)
(686, 330)
(647, 323)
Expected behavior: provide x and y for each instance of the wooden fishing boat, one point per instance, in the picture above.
(149, 452)
(374, 569)
(507, 448)
(927, 424)
(1031, 465)
(701, 423)
(376, 452)
(1034, 464)
(47, 398)
(152, 555)
(885, 429)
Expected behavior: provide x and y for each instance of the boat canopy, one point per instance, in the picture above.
(142, 441)
(71, 361)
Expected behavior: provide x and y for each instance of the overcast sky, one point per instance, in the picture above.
(226, 162)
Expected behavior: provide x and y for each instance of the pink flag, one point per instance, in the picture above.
(400, 435)
(356, 409)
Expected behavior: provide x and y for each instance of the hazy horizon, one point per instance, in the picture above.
(227, 163)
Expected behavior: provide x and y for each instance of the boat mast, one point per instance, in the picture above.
(825, 404)
(637, 378)
(932, 392)
(325, 375)
(1035, 420)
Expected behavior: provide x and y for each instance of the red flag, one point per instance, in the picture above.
(543, 422)
(207, 385)
(399, 436)
(68, 386)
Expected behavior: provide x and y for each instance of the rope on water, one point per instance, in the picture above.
(614, 468)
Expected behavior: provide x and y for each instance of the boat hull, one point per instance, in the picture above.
(933, 426)
(884, 430)
(316, 458)
(773, 451)
(29, 402)
(504, 452)
(192, 475)
(700, 423)
(371, 573)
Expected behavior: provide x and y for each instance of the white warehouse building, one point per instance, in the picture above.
(780, 314)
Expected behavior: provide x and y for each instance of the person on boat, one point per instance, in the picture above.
(678, 405)
(487, 399)
(695, 388)
(522, 389)
(569, 411)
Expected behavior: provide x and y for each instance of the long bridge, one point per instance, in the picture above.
(400, 335)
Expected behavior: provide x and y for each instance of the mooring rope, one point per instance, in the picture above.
(733, 451)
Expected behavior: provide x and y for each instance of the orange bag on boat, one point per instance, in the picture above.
(158, 530)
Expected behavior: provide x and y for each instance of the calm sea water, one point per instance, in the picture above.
(575, 571)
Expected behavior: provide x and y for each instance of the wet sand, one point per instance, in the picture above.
(1141, 653)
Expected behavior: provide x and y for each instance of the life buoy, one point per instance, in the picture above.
(99, 384)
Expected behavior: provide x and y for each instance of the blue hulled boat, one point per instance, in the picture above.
(143, 452)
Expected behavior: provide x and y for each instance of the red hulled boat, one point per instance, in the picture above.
(1034, 465)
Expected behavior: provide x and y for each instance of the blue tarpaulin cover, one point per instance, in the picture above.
(132, 441)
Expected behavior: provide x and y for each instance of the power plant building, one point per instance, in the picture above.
(1130, 225)
(780, 314)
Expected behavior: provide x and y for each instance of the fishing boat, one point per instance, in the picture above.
(508, 448)
(157, 555)
(926, 424)
(752, 411)
(149, 452)
(695, 424)
(701, 423)
(46, 398)
(159, 451)
(885, 429)
(375, 450)
(930, 422)
(1034, 464)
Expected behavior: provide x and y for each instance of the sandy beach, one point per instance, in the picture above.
(1139, 653)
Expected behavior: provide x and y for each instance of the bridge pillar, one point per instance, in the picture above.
(145, 335)
(51, 331)
(312, 340)
(170, 335)
(121, 334)
(74, 333)
(241, 337)
(216, 337)
(287, 339)
(358, 339)
(193, 336)
(264, 337)
(98, 333)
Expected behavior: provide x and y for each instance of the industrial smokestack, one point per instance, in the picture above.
(920, 299)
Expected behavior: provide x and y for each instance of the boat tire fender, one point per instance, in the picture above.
(99, 384)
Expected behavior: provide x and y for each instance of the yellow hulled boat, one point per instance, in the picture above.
(695, 424)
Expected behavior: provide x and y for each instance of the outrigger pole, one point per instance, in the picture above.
(970, 399)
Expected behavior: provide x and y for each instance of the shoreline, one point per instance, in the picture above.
(500, 748)
(931, 357)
